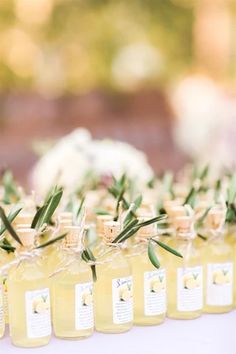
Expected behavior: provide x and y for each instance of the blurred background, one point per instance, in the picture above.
(159, 74)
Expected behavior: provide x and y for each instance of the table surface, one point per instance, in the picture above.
(210, 334)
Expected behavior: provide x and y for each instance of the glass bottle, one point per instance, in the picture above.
(149, 283)
(5, 258)
(218, 265)
(101, 219)
(72, 291)
(113, 289)
(2, 314)
(29, 297)
(184, 275)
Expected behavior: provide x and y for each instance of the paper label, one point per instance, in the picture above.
(84, 317)
(189, 289)
(155, 292)
(219, 284)
(1, 307)
(122, 300)
(38, 316)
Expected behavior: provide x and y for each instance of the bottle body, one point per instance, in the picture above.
(5, 259)
(113, 293)
(230, 239)
(2, 314)
(218, 276)
(72, 301)
(184, 281)
(149, 288)
(29, 305)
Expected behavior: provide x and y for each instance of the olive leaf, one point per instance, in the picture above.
(190, 199)
(44, 213)
(101, 212)
(11, 192)
(204, 173)
(125, 231)
(6, 246)
(52, 241)
(152, 255)
(201, 220)
(167, 182)
(168, 248)
(231, 193)
(88, 256)
(80, 207)
(8, 226)
(131, 213)
(12, 215)
(204, 238)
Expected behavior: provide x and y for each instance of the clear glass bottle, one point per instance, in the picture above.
(218, 265)
(2, 314)
(101, 219)
(52, 256)
(230, 239)
(184, 275)
(5, 258)
(149, 283)
(72, 291)
(29, 297)
(113, 296)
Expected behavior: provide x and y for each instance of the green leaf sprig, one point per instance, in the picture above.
(88, 256)
(44, 214)
(11, 191)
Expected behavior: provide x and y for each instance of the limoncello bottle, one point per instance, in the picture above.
(218, 265)
(5, 258)
(113, 289)
(100, 220)
(184, 275)
(72, 291)
(230, 239)
(53, 256)
(149, 283)
(2, 315)
(29, 297)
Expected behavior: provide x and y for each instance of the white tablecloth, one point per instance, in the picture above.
(210, 334)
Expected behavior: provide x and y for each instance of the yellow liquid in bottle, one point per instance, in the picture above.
(149, 285)
(72, 301)
(218, 276)
(113, 293)
(29, 305)
(230, 239)
(5, 258)
(2, 316)
(184, 281)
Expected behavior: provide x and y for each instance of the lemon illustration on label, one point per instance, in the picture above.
(157, 284)
(125, 293)
(87, 298)
(221, 277)
(41, 305)
(191, 281)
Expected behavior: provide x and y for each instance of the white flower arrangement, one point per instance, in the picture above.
(68, 161)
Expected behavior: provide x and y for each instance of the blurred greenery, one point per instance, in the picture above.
(74, 45)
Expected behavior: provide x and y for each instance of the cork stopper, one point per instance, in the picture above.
(146, 209)
(73, 237)
(147, 231)
(23, 218)
(27, 236)
(111, 230)
(216, 218)
(23, 226)
(101, 219)
(184, 226)
(170, 204)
